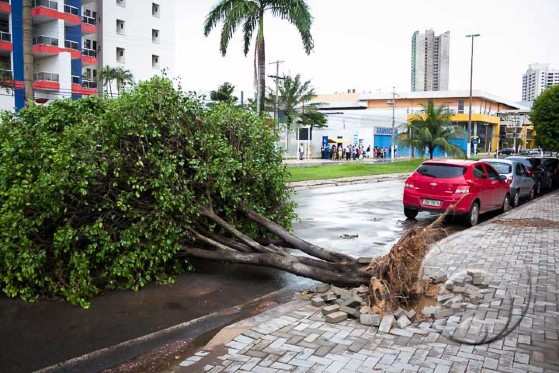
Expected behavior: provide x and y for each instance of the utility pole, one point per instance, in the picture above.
(392, 147)
(277, 78)
(469, 139)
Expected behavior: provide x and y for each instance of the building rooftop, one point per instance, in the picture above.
(438, 94)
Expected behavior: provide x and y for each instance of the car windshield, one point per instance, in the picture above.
(441, 171)
(502, 168)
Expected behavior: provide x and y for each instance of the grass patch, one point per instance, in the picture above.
(350, 169)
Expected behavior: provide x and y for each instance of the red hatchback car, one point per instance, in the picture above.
(475, 188)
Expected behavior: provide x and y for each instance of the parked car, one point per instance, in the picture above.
(535, 170)
(551, 167)
(468, 188)
(506, 151)
(522, 185)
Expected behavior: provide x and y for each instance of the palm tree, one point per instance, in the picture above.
(294, 97)
(250, 15)
(123, 78)
(432, 129)
(106, 77)
(28, 59)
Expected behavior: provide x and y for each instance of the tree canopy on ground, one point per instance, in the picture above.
(545, 116)
(432, 129)
(98, 193)
(249, 14)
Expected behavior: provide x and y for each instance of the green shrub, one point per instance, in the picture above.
(98, 193)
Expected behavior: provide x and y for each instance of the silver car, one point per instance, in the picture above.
(522, 185)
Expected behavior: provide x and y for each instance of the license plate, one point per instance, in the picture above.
(431, 202)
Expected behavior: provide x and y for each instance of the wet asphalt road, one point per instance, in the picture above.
(372, 211)
(51, 331)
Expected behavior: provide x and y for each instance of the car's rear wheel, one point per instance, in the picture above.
(472, 218)
(506, 204)
(410, 213)
(516, 198)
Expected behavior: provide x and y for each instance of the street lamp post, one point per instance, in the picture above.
(393, 145)
(469, 139)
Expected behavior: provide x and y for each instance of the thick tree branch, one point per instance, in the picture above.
(296, 242)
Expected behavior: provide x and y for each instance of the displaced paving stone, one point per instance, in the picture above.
(399, 312)
(444, 297)
(454, 300)
(364, 260)
(439, 278)
(336, 317)
(386, 323)
(362, 290)
(401, 332)
(431, 311)
(403, 321)
(353, 301)
(369, 319)
(317, 301)
(342, 293)
(326, 310)
(350, 311)
(347, 236)
(329, 298)
(410, 314)
(322, 288)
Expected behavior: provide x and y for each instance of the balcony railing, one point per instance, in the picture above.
(46, 3)
(91, 84)
(71, 9)
(6, 75)
(89, 20)
(89, 52)
(76, 79)
(45, 40)
(5, 36)
(71, 44)
(52, 77)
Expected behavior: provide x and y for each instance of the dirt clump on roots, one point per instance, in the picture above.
(399, 278)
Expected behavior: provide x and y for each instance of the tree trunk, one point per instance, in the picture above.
(431, 151)
(28, 50)
(261, 47)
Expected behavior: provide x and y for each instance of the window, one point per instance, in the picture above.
(440, 171)
(154, 61)
(492, 173)
(155, 9)
(119, 26)
(90, 44)
(155, 35)
(502, 167)
(460, 106)
(121, 3)
(120, 55)
(520, 171)
(479, 173)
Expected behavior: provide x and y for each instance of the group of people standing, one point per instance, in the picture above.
(353, 152)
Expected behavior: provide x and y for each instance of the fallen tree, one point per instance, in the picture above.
(99, 193)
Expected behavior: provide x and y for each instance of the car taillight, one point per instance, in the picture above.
(409, 186)
(463, 189)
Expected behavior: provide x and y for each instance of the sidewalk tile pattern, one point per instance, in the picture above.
(511, 248)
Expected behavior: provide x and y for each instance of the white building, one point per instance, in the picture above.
(74, 39)
(429, 61)
(537, 78)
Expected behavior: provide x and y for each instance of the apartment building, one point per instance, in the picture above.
(74, 39)
(537, 78)
(429, 61)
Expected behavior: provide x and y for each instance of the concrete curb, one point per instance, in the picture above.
(111, 356)
(312, 184)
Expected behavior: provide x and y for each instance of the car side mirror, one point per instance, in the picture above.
(502, 177)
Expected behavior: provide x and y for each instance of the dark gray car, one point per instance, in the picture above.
(522, 185)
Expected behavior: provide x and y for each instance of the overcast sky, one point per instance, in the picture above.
(366, 44)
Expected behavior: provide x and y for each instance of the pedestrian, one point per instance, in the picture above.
(340, 151)
(369, 151)
(343, 152)
(333, 152)
(301, 151)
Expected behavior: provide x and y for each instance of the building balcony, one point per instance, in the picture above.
(46, 81)
(5, 43)
(89, 25)
(89, 57)
(74, 49)
(47, 10)
(44, 46)
(5, 7)
(83, 87)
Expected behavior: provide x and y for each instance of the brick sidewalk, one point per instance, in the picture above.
(294, 336)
